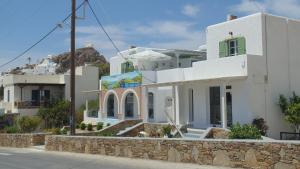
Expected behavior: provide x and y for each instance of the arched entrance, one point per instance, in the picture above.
(130, 104)
(111, 105)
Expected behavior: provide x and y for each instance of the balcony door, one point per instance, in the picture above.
(215, 105)
(35, 97)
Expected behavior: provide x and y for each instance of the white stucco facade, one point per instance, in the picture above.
(252, 81)
(19, 89)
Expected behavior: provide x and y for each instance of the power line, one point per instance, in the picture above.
(40, 40)
(102, 27)
(110, 39)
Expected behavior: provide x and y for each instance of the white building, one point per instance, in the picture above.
(26, 93)
(249, 62)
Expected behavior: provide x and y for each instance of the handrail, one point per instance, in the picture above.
(172, 123)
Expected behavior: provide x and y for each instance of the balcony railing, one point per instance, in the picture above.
(31, 104)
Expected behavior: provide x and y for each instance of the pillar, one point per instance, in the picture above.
(223, 106)
(145, 104)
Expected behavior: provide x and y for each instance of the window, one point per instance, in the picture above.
(127, 67)
(150, 105)
(129, 105)
(232, 47)
(215, 111)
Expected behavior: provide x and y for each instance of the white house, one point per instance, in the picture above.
(247, 64)
(25, 94)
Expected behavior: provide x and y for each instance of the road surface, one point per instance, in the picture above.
(13, 158)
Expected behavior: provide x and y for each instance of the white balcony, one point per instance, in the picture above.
(221, 68)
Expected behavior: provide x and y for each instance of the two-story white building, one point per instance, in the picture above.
(26, 93)
(247, 64)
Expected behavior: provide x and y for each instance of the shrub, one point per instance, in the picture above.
(99, 126)
(56, 115)
(90, 127)
(108, 124)
(63, 131)
(82, 126)
(77, 126)
(11, 129)
(107, 133)
(261, 125)
(167, 130)
(291, 110)
(244, 132)
(28, 123)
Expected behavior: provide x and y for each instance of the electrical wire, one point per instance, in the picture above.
(41, 39)
(110, 39)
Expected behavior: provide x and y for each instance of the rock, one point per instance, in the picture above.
(281, 165)
(250, 158)
(174, 155)
(195, 153)
(221, 158)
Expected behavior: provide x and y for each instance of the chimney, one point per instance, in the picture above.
(231, 17)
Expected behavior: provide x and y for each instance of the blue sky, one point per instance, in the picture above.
(149, 23)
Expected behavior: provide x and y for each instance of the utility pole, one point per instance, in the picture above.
(72, 78)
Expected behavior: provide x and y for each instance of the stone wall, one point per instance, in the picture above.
(237, 153)
(21, 140)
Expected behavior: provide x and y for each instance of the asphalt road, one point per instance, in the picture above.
(12, 158)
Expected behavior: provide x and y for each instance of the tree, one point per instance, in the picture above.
(291, 110)
(103, 69)
(56, 115)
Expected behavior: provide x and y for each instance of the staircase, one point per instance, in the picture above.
(193, 133)
(121, 126)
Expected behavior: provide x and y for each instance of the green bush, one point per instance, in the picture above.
(56, 115)
(244, 132)
(11, 129)
(107, 133)
(28, 124)
(167, 130)
(90, 127)
(99, 126)
(108, 124)
(63, 131)
(82, 126)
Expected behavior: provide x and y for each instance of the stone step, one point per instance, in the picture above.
(191, 135)
(195, 131)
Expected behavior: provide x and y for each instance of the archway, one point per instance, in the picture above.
(130, 104)
(111, 104)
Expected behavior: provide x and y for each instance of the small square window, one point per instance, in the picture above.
(232, 47)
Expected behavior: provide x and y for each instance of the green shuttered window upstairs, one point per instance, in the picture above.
(224, 47)
(127, 67)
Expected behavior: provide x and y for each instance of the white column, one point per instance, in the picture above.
(176, 104)
(145, 104)
(223, 106)
(86, 109)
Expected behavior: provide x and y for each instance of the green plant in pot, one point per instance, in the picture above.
(167, 131)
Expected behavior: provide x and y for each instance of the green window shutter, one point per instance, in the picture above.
(223, 49)
(123, 67)
(241, 44)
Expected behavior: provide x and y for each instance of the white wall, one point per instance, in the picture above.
(87, 81)
(250, 27)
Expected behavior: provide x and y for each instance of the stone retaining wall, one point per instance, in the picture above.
(246, 154)
(21, 140)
